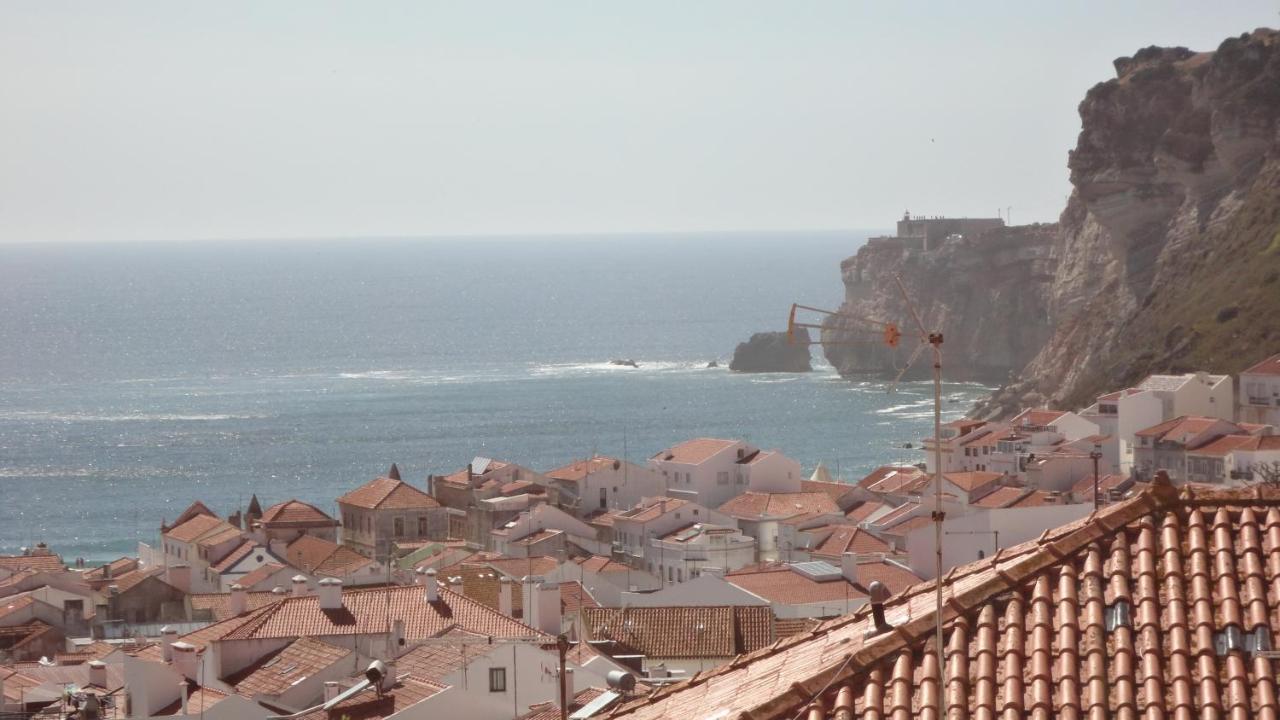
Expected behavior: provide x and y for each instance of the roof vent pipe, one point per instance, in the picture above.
(879, 594)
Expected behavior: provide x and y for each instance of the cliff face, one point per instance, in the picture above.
(987, 293)
(1167, 257)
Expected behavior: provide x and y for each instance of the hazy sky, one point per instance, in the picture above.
(177, 120)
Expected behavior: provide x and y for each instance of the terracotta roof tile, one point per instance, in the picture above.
(1038, 416)
(782, 585)
(756, 505)
(367, 705)
(551, 711)
(579, 469)
(657, 508)
(1115, 615)
(1003, 497)
(385, 493)
(195, 528)
(119, 565)
(692, 452)
(895, 479)
(218, 605)
(220, 536)
(199, 701)
(257, 575)
(323, 557)
(681, 632)
(971, 480)
(278, 671)
(848, 538)
(292, 513)
(242, 551)
(364, 612)
(46, 563)
(862, 511)
(601, 564)
(1270, 366)
(835, 490)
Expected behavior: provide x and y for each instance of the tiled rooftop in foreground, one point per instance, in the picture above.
(1160, 606)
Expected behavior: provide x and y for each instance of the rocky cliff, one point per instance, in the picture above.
(1166, 258)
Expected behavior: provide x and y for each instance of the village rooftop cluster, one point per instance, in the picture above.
(1123, 556)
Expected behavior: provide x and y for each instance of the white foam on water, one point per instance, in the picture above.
(130, 417)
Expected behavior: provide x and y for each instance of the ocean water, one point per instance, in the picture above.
(137, 378)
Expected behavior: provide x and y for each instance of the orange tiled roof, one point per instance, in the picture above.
(1038, 416)
(755, 505)
(579, 469)
(834, 490)
(864, 510)
(1084, 486)
(1227, 444)
(601, 564)
(521, 567)
(117, 566)
(196, 527)
(1003, 497)
(537, 537)
(239, 553)
(131, 579)
(847, 538)
(218, 605)
(895, 479)
(681, 632)
(199, 700)
(292, 513)
(257, 575)
(1270, 366)
(1117, 614)
(692, 452)
(1179, 428)
(970, 481)
(407, 692)
(364, 612)
(14, 563)
(226, 534)
(660, 507)
(551, 711)
(323, 557)
(385, 493)
(781, 585)
(278, 671)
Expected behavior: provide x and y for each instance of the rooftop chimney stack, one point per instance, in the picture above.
(98, 673)
(299, 586)
(432, 588)
(186, 661)
(238, 601)
(546, 608)
(419, 576)
(330, 690)
(185, 690)
(397, 637)
(330, 594)
(849, 567)
(168, 636)
(504, 596)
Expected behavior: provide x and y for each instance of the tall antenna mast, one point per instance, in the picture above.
(890, 336)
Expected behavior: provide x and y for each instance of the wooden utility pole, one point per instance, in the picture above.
(562, 645)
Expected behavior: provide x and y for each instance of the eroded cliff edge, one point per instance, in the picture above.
(1166, 258)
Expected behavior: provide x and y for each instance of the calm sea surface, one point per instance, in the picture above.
(137, 378)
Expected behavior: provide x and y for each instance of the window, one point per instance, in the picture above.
(422, 526)
(397, 527)
(498, 679)
(604, 498)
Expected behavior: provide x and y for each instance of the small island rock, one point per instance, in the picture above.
(770, 352)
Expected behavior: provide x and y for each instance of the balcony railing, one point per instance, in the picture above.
(1264, 401)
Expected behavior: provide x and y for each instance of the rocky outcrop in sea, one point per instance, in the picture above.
(772, 352)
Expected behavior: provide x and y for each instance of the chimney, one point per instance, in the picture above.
(168, 636)
(879, 593)
(546, 608)
(186, 661)
(330, 690)
(504, 595)
(397, 637)
(98, 673)
(180, 577)
(106, 571)
(432, 588)
(330, 593)
(278, 590)
(394, 472)
(471, 475)
(185, 690)
(299, 586)
(849, 566)
(419, 576)
(238, 602)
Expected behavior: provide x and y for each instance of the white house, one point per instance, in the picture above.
(601, 483)
(709, 471)
(656, 517)
(684, 553)
(540, 530)
(1165, 397)
(773, 518)
(1260, 393)
(981, 533)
